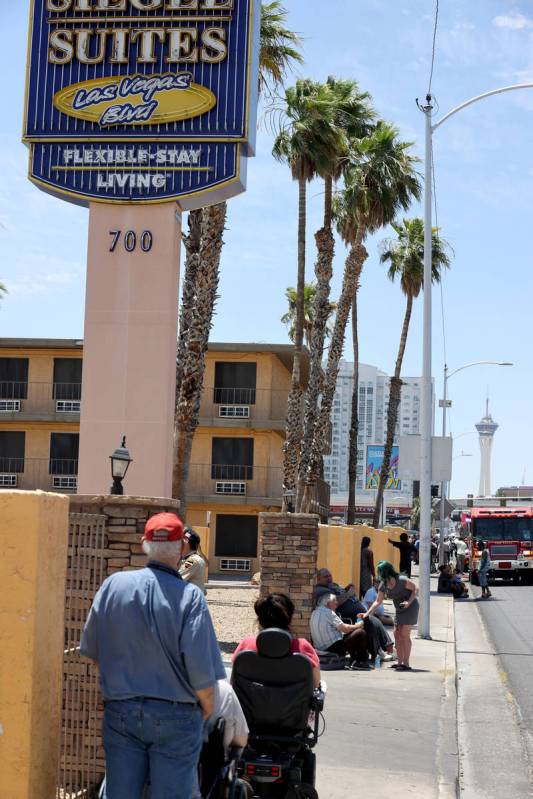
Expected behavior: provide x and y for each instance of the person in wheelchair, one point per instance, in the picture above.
(276, 610)
(275, 677)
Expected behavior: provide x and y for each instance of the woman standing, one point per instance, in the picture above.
(484, 568)
(368, 572)
(403, 593)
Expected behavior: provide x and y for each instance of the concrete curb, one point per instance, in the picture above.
(448, 748)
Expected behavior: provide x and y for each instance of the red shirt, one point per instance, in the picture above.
(298, 645)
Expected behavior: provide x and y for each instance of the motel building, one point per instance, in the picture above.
(236, 464)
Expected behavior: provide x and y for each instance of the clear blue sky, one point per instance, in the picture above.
(484, 165)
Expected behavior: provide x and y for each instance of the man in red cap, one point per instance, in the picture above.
(152, 637)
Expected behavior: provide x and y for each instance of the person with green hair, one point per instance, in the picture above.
(403, 593)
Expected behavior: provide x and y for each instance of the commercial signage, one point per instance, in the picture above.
(140, 101)
(374, 462)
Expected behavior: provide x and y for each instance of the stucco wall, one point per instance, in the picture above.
(339, 550)
(33, 557)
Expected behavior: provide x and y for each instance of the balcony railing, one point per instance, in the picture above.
(248, 482)
(46, 474)
(244, 481)
(39, 400)
(234, 396)
(257, 405)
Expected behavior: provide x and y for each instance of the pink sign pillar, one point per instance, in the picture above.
(129, 360)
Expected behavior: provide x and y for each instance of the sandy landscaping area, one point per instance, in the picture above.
(232, 611)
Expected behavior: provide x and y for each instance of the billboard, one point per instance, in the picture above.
(374, 461)
(141, 101)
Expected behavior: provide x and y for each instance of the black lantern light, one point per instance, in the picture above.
(120, 461)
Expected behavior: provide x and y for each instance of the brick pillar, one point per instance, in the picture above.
(289, 552)
(125, 520)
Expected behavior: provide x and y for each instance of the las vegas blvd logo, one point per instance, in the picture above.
(146, 71)
(136, 100)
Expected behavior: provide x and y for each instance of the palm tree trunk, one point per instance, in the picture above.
(352, 273)
(354, 422)
(193, 367)
(395, 395)
(325, 243)
(192, 244)
(293, 424)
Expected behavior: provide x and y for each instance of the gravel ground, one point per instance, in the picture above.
(232, 610)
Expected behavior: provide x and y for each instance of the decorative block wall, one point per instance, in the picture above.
(288, 544)
(125, 518)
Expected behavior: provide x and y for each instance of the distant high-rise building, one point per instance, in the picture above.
(373, 403)
(486, 429)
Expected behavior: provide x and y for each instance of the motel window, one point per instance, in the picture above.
(235, 383)
(232, 459)
(14, 378)
(64, 450)
(67, 378)
(12, 445)
(236, 536)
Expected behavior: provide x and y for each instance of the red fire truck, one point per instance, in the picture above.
(508, 535)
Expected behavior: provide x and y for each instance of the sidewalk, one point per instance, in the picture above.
(395, 734)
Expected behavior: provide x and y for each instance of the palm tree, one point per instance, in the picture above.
(308, 138)
(381, 180)
(289, 318)
(354, 417)
(353, 116)
(280, 47)
(192, 367)
(405, 256)
(279, 51)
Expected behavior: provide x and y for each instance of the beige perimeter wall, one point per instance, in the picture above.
(339, 550)
(33, 559)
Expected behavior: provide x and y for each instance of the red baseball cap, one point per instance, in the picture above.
(163, 527)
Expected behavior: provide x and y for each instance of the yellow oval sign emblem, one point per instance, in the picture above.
(136, 99)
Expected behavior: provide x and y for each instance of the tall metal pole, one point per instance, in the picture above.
(443, 485)
(426, 398)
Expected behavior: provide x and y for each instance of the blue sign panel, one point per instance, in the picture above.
(142, 100)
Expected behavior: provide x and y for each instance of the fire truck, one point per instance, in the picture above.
(508, 535)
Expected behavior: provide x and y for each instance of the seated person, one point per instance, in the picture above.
(445, 580)
(459, 589)
(369, 598)
(277, 610)
(331, 634)
(348, 605)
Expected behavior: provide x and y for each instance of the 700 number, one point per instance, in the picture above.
(129, 240)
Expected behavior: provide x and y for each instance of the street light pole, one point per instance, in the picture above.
(426, 397)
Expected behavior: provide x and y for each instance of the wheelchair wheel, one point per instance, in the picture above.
(302, 791)
(240, 789)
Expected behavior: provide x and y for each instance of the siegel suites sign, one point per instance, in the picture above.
(141, 101)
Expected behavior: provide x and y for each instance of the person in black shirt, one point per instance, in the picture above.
(406, 552)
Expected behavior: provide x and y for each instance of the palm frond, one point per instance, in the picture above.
(280, 47)
(405, 255)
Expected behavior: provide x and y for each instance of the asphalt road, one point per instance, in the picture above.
(508, 618)
(494, 668)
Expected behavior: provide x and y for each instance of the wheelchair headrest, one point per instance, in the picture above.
(274, 643)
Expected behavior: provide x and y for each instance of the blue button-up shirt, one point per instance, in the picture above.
(152, 635)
